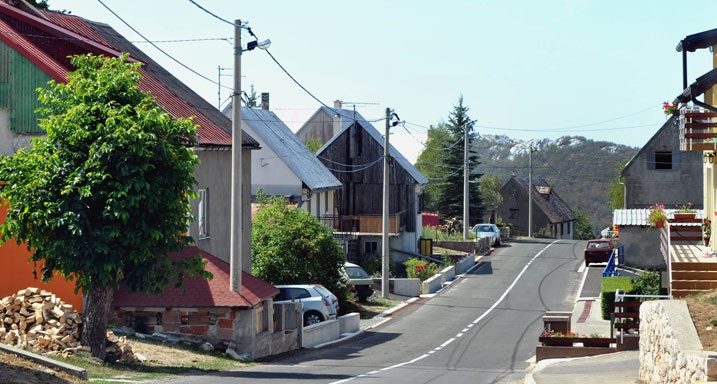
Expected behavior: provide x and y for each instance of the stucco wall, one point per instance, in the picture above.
(670, 350)
(214, 174)
(642, 247)
(269, 171)
(646, 186)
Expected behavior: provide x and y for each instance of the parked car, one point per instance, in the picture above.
(318, 302)
(598, 251)
(360, 281)
(488, 230)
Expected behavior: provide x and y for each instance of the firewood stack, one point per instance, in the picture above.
(37, 319)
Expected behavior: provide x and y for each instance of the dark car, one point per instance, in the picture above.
(598, 251)
(360, 281)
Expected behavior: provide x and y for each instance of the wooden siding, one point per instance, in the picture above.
(362, 191)
(19, 79)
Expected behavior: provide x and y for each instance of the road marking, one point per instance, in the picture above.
(459, 335)
(481, 317)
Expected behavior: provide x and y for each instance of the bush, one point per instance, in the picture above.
(647, 284)
(608, 286)
(417, 268)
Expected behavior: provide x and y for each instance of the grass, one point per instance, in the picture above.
(162, 360)
(436, 234)
(14, 369)
(372, 307)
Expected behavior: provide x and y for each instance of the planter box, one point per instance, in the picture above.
(597, 341)
(557, 341)
(685, 215)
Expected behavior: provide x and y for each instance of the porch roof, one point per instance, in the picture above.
(638, 216)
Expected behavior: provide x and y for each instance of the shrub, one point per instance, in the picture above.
(417, 268)
(608, 287)
(647, 284)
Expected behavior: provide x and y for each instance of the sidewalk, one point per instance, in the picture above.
(619, 367)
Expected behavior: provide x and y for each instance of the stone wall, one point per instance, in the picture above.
(670, 350)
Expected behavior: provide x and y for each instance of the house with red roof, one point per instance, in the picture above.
(34, 48)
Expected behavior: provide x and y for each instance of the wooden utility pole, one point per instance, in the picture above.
(466, 171)
(384, 236)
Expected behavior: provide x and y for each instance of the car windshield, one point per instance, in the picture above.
(485, 228)
(599, 245)
(357, 273)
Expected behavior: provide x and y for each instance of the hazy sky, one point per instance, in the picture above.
(527, 69)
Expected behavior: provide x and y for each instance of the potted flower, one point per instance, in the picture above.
(669, 108)
(657, 216)
(685, 212)
(557, 339)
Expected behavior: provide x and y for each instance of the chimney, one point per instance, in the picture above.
(338, 104)
(265, 101)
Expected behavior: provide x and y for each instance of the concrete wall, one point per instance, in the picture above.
(11, 141)
(350, 323)
(432, 284)
(214, 174)
(403, 287)
(670, 349)
(269, 171)
(642, 247)
(646, 186)
(449, 273)
(465, 263)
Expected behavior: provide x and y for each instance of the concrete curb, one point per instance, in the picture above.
(54, 364)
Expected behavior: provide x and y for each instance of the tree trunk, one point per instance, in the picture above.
(96, 318)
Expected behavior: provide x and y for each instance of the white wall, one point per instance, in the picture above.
(270, 172)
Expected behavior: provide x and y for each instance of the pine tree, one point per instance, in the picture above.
(450, 199)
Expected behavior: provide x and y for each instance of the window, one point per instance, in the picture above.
(370, 247)
(513, 214)
(663, 160)
(202, 213)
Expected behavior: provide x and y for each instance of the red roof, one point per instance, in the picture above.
(199, 292)
(47, 43)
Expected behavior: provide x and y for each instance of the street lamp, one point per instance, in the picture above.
(237, 182)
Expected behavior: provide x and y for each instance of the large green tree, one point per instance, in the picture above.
(616, 189)
(103, 198)
(431, 163)
(450, 197)
(289, 246)
(583, 229)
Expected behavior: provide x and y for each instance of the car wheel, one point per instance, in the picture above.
(497, 242)
(312, 317)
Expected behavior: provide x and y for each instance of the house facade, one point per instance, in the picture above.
(662, 174)
(353, 151)
(551, 215)
(284, 166)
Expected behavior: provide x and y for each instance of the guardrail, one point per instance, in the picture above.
(611, 267)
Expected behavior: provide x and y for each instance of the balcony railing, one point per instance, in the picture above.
(363, 223)
(698, 129)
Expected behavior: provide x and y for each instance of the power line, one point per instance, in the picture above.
(158, 48)
(213, 14)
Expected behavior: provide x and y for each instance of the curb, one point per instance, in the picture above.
(71, 369)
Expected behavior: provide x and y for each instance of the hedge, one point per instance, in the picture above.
(608, 286)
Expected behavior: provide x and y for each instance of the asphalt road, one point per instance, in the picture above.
(482, 329)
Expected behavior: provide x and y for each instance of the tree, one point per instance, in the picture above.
(616, 190)
(450, 197)
(103, 198)
(252, 100)
(490, 193)
(313, 143)
(583, 229)
(431, 163)
(41, 4)
(289, 246)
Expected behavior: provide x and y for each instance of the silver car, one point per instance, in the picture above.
(318, 302)
(490, 231)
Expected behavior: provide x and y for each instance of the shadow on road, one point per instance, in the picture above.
(279, 375)
(484, 268)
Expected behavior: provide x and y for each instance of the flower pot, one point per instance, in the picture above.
(707, 241)
(685, 215)
(660, 224)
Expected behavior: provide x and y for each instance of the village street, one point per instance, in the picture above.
(481, 330)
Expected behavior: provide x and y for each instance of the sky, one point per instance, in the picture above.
(526, 69)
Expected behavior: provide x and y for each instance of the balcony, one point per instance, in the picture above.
(698, 129)
(364, 224)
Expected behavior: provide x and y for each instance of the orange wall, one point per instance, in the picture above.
(16, 272)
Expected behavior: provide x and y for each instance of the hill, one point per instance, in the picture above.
(580, 169)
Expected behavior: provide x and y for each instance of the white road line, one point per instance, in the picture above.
(459, 335)
(582, 283)
(486, 313)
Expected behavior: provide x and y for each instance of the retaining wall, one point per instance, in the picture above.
(670, 349)
(330, 330)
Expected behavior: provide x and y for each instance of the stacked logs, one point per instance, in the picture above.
(37, 319)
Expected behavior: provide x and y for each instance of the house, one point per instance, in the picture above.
(353, 151)
(551, 214)
(661, 173)
(34, 45)
(284, 166)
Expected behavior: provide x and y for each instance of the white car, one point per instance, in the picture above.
(488, 230)
(318, 302)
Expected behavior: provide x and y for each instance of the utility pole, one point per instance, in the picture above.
(384, 236)
(236, 242)
(466, 171)
(530, 190)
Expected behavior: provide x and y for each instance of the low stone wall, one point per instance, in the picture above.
(403, 287)
(465, 263)
(467, 246)
(449, 273)
(670, 349)
(349, 323)
(432, 284)
(321, 333)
